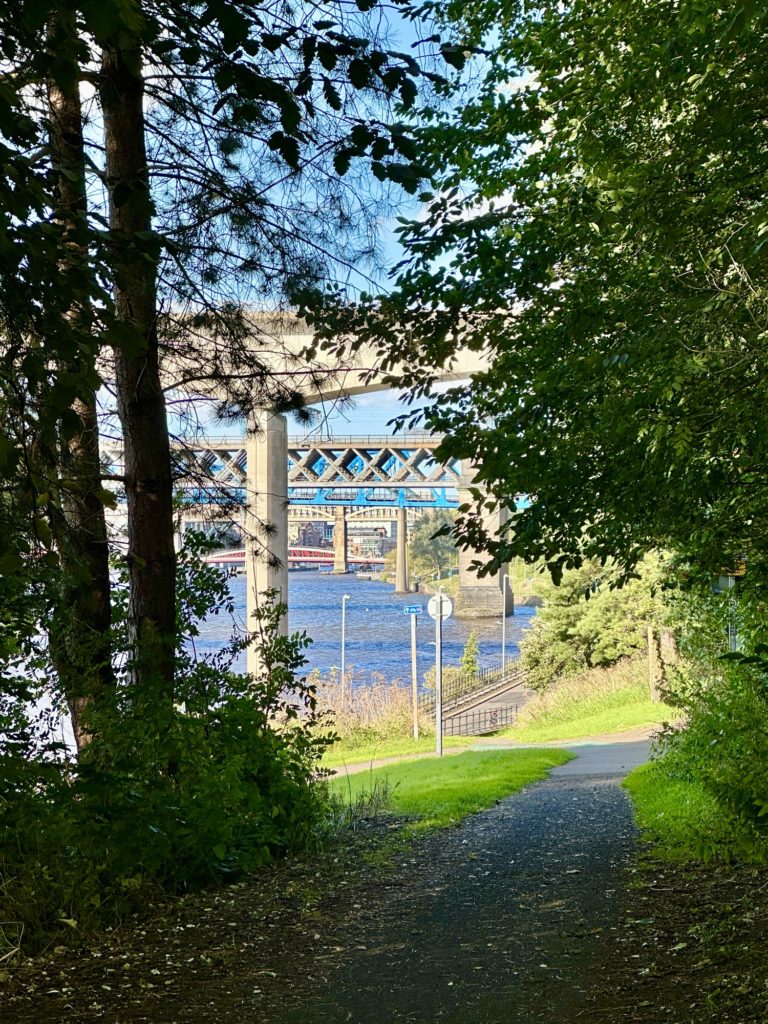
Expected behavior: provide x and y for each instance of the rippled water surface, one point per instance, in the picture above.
(378, 632)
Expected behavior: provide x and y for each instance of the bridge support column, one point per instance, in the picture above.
(340, 540)
(266, 520)
(486, 597)
(401, 564)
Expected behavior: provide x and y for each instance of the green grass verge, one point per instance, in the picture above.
(441, 791)
(355, 752)
(588, 721)
(684, 821)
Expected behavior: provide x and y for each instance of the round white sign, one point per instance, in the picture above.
(446, 606)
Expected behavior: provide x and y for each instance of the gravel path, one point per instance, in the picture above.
(506, 918)
(502, 919)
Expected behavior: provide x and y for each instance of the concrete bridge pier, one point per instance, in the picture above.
(340, 564)
(486, 597)
(266, 519)
(401, 563)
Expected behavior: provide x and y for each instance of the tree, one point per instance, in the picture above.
(598, 228)
(219, 133)
(586, 621)
(470, 655)
(431, 549)
(80, 628)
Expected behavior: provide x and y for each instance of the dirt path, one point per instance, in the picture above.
(503, 919)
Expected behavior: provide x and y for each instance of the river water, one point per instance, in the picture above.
(377, 630)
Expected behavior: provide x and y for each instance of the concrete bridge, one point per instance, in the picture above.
(284, 349)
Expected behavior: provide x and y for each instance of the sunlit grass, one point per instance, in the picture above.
(609, 700)
(345, 752)
(438, 792)
(592, 723)
(686, 822)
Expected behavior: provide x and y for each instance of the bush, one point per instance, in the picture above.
(724, 744)
(169, 795)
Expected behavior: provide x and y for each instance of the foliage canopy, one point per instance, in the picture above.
(599, 230)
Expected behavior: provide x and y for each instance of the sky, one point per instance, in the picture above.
(363, 415)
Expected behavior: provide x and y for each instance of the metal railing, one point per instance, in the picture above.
(416, 440)
(459, 689)
(457, 685)
(479, 722)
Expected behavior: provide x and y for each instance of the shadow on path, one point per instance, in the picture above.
(504, 919)
(501, 919)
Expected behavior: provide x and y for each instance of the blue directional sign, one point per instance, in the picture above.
(413, 609)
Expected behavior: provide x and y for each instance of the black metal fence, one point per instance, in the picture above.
(479, 722)
(458, 684)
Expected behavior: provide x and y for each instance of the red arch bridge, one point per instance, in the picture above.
(296, 556)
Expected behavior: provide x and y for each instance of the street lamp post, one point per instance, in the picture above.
(344, 600)
(504, 585)
(439, 675)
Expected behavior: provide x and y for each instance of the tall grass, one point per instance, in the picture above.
(591, 692)
(380, 710)
(601, 700)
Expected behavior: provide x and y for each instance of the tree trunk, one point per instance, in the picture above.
(80, 631)
(141, 402)
(668, 651)
(655, 669)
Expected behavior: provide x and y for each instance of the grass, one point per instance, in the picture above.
(684, 822)
(591, 721)
(355, 751)
(608, 700)
(441, 791)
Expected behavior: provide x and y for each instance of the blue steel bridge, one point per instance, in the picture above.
(350, 472)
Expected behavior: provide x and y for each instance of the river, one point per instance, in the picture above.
(377, 630)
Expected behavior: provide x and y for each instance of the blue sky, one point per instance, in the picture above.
(365, 414)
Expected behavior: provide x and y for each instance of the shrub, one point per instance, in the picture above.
(170, 794)
(724, 744)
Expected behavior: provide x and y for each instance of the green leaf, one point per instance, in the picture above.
(453, 55)
(331, 94)
(7, 449)
(327, 55)
(359, 73)
(126, 337)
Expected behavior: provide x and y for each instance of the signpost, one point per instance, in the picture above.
(439, 607)
(440, 601)
(414, 610)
